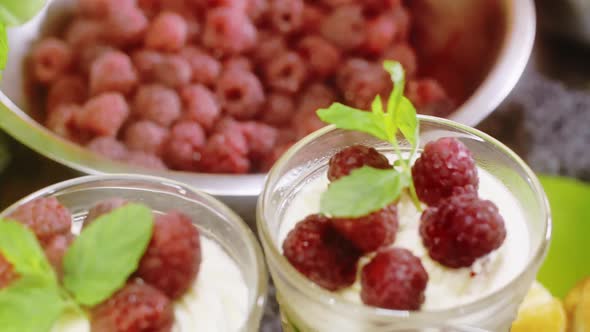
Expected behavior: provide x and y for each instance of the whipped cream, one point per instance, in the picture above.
(447, 287)
(216, 302)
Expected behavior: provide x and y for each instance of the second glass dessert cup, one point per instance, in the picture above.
(308, 307)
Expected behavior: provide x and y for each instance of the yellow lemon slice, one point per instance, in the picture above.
(540, 312)
(577, 304)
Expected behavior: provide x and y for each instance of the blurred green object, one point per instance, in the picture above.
(568, 260)
(17, 12)
(4, 152)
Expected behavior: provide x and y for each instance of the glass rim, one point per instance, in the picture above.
(256, 307)
(325, 297)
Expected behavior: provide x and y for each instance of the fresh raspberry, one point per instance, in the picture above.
(193, 28)
(360, 81)
(103, 115)
(381, 6)
(146, 136)
(172, 260)
(394, 279)
(173, 71)
(87, 55)
(256, 9)
(429, 97)
(103, 207)
(126, 26)
(404, 54)
(322, 58)
(313, 16)
(238, 63)
(183, 148)
(167, 32)
(461, 229)
(108, 147)
(445, 167)
(135, 307)
(269, 46)
(205, 68)
(62, 121)
(403, 20)
(380, 34)
(157, 103)
(46, 217)
(51, 59)
(145, 62)
(69, 89)
(240, 93)
(7, 272)
(145, 160)
(150, 8)
(345, 27)
(101, 8)
(286, 73)
(353, 157)
(226, 152)
(316, 96)
(286, 16)
(200, 105)
(112, 72)
(229, 31)
(261, 138)
(82, 32)
(55, 250)
(320, 253)
(279, 109)
(371, 232)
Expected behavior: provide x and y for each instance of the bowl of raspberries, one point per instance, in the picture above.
(212, 92)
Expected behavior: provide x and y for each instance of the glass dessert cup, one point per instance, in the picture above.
(214, 220)
(308, 307)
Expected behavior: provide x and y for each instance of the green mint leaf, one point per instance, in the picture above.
(106, 253)
(20, 247)
(377, 106)
(30, 304)
(364, 191)
(406, 120)
(345, 117)
(396, 71)
(17, 12)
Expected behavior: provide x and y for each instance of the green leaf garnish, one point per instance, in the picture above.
(364, 191)
(368, 190)
(16, 12)
(106, 253)
(30, 304)
(20, 247)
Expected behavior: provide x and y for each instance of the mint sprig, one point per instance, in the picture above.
(368, 190)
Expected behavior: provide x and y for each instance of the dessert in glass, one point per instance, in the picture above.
(472, 279)
(201, 267)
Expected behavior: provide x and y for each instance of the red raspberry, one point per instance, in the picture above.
(286, 73)
(316, 96)
(172, 260)
(126, 26)
(108, 147)
(286, 16)
(157, 103)
(238, 63)
(461, 229)
(112, 72)
(200, 105)
(205, 68)
(371, 232)
(403, 22)
(103, 207)
(103, 115)
(404, 54)
(193, 28)
(279, 109)
(62, 121)
(353, 157)
(380, 6)
(322, 57)
(173, 71)
(360, 81)
(313, 16)
(146, 136)
(226, 152)
(55, 250)
(269, 46)
(429, 97)
(135, 307)
(145, 62)
(46, 217)
(445, 167)
(87, 54)
(184, 145)
(229, 31)
(261, 138)
(381, 32)
(7, 273)
(82, 32)
(51, 59)
(70, 89)
(256, 9)
(345, 27)
(394, 279)
(317, 251)
(101, 8)
(145, 160)
(240, 93)
(168, 32)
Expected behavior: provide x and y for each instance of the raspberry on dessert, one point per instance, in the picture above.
(7, 273)
(172, 260)
(394, 279)
(135, 307)
(371, 232)
(103, 207)
(445, 167)
(353, 157)
(55, 250)
(46, 217)
(320, 253)
(461, 229)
